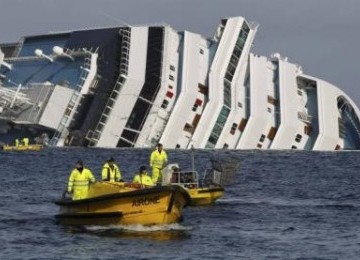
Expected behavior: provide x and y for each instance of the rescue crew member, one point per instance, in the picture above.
(142, 177)
(17, 142)
(25, 141)
(158, 160)
(79, 181)
(110, 171)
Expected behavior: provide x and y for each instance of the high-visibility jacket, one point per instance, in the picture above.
(79, 183)
(143, 179)
(26, 141)
(158, 160)
(111, 175)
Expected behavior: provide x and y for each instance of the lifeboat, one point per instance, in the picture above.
(30, 147)
(125, 204)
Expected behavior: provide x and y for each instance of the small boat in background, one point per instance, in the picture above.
(205, 190)
(125, 204)
(30, 147)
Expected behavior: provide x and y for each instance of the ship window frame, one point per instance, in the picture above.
(165, 103)
(262, 138)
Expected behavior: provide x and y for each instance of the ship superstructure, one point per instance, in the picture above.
(135, 86)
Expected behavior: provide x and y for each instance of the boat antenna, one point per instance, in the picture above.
(192, 158)
(192, 153)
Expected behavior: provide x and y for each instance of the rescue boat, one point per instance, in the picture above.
(205, 190)
(124, 204)
(30, 147)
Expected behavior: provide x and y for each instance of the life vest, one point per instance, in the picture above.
(158, 160)
(143, 179)
(109, 174)
(79, 183)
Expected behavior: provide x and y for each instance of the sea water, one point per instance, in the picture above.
(281, 205)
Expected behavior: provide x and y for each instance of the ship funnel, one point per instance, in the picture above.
(40, 54)
(60, 52)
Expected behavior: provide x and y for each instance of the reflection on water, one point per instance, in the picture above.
(156, 232)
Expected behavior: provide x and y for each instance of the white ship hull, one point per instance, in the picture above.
(140, 85)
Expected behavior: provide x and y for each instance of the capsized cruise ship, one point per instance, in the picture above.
(135, 86)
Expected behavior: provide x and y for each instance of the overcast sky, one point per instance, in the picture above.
(323, 36)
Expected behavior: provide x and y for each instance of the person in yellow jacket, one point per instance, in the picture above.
(158, 160)
(25, 141)
(142, 177)
(111, 171)
(79, 181)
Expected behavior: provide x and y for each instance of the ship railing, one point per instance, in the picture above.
(95, 136)
(124, 63)
(125, 50)
(13, 103)
(74, 102)
(6, 93)
(13, 100)
(27, 58)
(64, 122)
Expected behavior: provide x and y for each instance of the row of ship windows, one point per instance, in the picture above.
(297, 139)
(268, 109)
(262, 138)
(172, 68)
(259, 145)
(337, 147)
(169, 94)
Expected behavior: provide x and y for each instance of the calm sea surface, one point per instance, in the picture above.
(283, 205)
